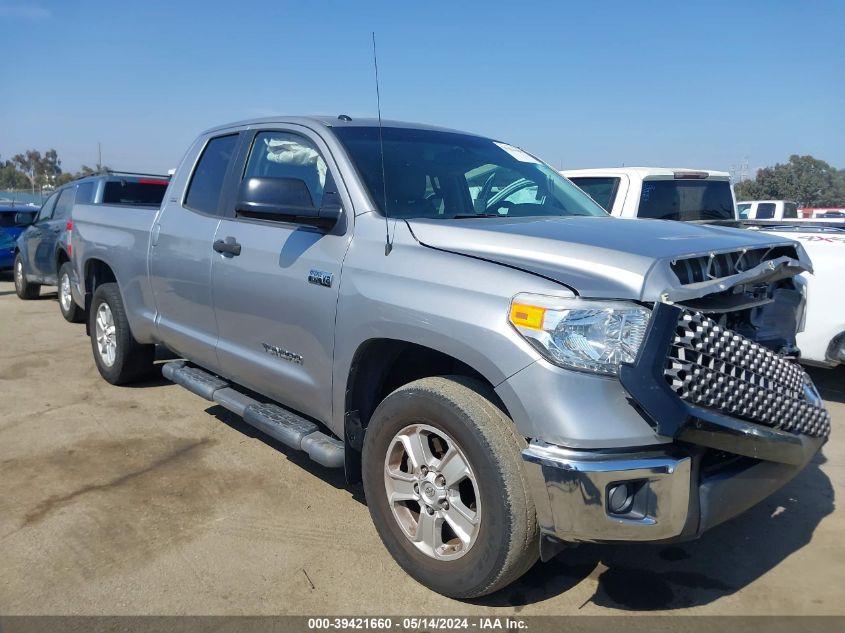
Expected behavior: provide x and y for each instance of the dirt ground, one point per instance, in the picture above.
(146, 500)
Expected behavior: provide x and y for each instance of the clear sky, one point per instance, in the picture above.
(581, 84)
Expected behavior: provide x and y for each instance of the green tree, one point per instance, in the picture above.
(39, 170)
(11, 177)
(29, 164)
(96, 169)
(809, 181)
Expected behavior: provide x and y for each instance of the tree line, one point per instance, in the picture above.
(36, 171)
(806, 180)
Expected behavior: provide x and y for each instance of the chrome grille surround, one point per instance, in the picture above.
(715, 368)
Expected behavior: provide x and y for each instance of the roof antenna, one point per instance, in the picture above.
(387, 245)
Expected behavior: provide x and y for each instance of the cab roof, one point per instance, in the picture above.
(333, 121)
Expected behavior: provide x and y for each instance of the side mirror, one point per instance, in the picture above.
(24, 218)
(284, 200)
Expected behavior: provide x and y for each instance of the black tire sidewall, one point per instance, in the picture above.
(479, 566)
(74, 313)
(19, 285)
(109, 294)
(25, 290)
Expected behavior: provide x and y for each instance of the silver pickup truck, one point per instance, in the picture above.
(507, 368)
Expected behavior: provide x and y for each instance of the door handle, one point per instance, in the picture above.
(228, 247)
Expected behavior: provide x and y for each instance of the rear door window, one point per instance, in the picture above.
(679, 199)
(65, 203)
(208, 178)
(601, 189)
(47, 208)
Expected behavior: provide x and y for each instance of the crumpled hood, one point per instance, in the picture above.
(604, 257)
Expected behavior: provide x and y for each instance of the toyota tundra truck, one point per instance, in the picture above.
(505, 367)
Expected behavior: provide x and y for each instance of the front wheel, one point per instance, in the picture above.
(23, 288)
(442, 470)
(118, 356)
(70, 311)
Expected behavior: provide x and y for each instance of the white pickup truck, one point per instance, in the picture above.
(706, 195)
(661, 193)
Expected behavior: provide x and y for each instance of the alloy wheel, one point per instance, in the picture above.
(432, 491)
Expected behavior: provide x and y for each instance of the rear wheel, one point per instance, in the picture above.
(120, 359)
(70, 311)
(442, 470)
(23, 288)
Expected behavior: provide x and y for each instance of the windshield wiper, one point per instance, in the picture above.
(467, 216)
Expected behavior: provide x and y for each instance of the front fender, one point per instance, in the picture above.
(447, 302)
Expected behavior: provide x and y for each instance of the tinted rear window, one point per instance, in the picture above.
(765, 211)
(600, 189)
(140, 192)
(686, 200)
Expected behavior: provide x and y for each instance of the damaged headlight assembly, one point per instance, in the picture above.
(590, 336)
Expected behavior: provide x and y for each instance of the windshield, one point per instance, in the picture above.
(448, 175)
(686, 200)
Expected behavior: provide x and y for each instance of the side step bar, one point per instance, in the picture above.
(277, 422)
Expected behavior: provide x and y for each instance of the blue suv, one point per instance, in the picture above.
(43, 250)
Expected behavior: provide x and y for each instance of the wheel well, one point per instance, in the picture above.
(97, 273)
(380, 367)
(61, 258)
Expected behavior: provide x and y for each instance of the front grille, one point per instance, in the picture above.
(692, 270)
(718, 369)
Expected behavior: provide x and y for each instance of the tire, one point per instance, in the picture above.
(70, 311)
(456, 416)
(122, 359)
(23, 288)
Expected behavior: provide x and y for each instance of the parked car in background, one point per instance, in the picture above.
(43, 250)
(661, 193)
(822, 339)
(7, 250)
(14, 218)
(505, 366)
(767, 210)
(835, 214)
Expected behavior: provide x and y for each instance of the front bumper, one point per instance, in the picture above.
(676, 493)
(742, 422)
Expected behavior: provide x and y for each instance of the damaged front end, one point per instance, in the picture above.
(715, 374)
(717, 368)
(754, 292)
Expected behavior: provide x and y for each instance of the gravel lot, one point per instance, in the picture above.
(146, 500)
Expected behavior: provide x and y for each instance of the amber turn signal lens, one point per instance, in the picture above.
(527, 316)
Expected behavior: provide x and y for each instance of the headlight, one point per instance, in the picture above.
(594, 336)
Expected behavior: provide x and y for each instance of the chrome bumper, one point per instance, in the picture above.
(570, 490)
(673, 495)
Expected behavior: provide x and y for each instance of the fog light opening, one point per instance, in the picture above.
(620, 498)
